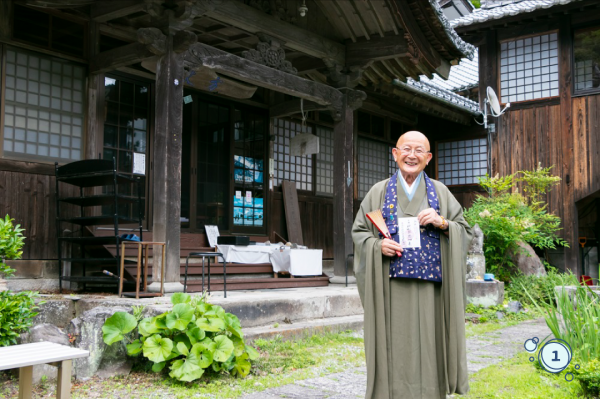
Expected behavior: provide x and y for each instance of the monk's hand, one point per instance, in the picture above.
(430, 216)
(390, 248)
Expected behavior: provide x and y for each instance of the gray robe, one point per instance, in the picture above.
(414, 330)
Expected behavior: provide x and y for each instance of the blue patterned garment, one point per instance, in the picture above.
(423, 263)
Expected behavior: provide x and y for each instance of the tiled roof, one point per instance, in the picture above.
(505, 10)
(442, 95)
(463, 76)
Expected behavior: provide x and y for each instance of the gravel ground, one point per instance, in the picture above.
(482, 351)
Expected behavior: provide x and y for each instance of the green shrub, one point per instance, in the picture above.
(506, 217)
(193, 337)
(11, 242)
(17, 311)
(539, 289)
(588, 376)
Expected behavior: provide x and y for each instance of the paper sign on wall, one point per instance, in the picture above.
(238, 194)
(139, 163)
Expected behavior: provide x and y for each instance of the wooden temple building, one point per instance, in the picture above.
(543, 57)
(201, 100)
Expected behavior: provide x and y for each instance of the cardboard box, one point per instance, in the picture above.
(306, 262)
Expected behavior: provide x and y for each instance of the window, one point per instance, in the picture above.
(586, 55)
(373, 164)
(248, 172)
(48, 31)
(529, 68)
(126, 127)
(43, 111)
(461, 162)
(287, 167)
(370, 124)
(325, 161)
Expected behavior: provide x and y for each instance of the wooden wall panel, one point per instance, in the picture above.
(316, 215)
(30, 200)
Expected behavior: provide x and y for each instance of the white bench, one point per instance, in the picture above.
(25, 356)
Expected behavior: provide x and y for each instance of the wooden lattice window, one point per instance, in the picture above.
(287, 167)
(529, 68)
(586, 55)
(373, 164)
(461, 162)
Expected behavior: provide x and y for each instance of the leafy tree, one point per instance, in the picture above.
(508, 217)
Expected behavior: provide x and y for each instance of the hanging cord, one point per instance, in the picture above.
(303, 114)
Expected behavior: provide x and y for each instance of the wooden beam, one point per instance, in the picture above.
(378, 48)
(429, 107)
(120, 57)
(252, 20)
(250, 72)
(306, 64)
(103, 11)
(293, 107)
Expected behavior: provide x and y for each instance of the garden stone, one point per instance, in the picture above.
(485, 293)
(514, 307)
(88, 331)
(475, 256)
(526, 260)
(46, 333)
(499, 315)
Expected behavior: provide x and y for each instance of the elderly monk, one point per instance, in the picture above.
(414, 303)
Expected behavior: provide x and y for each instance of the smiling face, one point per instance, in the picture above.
(410, 162)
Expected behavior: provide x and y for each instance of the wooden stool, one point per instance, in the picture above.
(142, 249)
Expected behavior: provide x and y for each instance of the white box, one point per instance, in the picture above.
(306, 262)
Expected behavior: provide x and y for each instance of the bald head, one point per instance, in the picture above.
(414, 137)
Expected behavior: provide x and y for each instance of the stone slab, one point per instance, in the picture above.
(485, 293)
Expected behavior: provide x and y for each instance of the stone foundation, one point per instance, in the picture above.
(485, 293)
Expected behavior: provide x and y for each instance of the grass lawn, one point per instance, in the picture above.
(517, 378)
(280, 363)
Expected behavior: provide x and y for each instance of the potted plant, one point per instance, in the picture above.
(11, 242)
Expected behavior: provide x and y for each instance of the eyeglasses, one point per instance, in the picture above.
(419, 151)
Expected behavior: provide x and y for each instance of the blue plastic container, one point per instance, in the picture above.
(488, 277)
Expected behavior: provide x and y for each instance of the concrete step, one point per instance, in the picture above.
(305, 328)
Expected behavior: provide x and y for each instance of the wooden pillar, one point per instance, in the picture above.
(95, 103)
(570, 218)
(343, 145)
(167, 167)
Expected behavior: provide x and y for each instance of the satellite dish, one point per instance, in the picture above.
(492, 100)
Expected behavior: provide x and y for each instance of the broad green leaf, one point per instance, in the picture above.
(224, 348)
(148, 327)
(203, 307)
(202, 354)
(238, 346)
(185, 370)
(134, 348)
(215, 311)
(209, 344)
(210, 324)
(161, 320)
(242, 365)
(157, 348)
(181, 339)
(195, 334)
(116, 326)
(183, 349)
(252, 353)
(180, 297)
(181, 315)
(216, 366)
(233, 325)
(157, 367)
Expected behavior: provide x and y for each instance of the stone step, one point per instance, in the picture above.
(305, 328)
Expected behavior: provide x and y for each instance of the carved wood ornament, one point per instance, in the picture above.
(270, 53)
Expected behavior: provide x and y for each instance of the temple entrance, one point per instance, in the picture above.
(222, 174)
